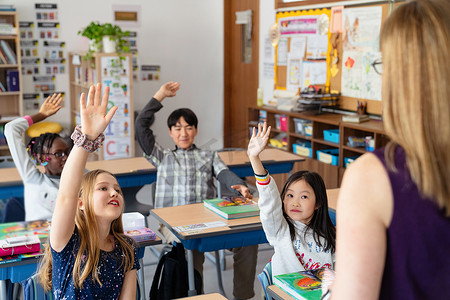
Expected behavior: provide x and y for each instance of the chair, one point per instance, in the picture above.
(265, 277)
(14, 210)
(32, 290)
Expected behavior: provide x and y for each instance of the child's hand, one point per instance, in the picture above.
(94, 119)
(51, 105)
(168, 89)
(258, 140)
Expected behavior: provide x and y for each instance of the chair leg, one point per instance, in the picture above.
(141, 278)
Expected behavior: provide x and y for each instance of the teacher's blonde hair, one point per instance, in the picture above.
(415, 44)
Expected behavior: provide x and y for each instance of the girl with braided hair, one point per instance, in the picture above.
(49, 150)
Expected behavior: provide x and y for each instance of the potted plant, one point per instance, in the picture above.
(110, 35)
(94, 32)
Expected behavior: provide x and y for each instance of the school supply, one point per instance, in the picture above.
(141, 235)
(301, 284)
(19, 245)
(171, 276)
(233, 207)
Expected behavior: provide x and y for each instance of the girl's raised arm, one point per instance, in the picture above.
(256, 145)
(94, 121)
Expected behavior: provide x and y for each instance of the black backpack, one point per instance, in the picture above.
(174, 281)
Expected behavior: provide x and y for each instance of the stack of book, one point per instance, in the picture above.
(355, 118)
(233, 207)
(7, 55)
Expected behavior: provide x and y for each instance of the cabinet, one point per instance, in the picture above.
(11, 101)
(111, 71)
(321, 138)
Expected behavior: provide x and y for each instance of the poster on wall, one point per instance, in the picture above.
(118, 135)
(150, 72)
(361, 37)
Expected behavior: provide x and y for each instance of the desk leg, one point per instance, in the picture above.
(190, 261)
(141, 278)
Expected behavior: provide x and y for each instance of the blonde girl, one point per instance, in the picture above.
(88, 256)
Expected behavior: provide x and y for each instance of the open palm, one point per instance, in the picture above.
(258, 140)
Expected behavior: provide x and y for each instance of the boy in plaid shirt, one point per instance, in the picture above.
(185, 175)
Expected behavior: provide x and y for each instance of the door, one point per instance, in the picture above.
(240, 70)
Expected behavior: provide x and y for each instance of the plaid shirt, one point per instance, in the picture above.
(184, 176)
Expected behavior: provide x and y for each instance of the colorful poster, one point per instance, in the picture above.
(118, 137)
(361, 37)
(299, 25)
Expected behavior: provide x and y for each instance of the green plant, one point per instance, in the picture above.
(95, 31)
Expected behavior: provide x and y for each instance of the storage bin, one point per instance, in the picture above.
(308, 130)
(299, 125)
(331, 135)
(281, 122)
(303, 150)
(349, 160)
(328, 156)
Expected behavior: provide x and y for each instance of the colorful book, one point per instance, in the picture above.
(9, 53)
(233, 207)
(301, 285)
(141, 235)
(12, 80)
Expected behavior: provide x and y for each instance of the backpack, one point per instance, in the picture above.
(174, 281)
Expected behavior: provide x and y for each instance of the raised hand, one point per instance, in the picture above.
(169, 89)
(94, 118)
(51, 105)
(258, 140)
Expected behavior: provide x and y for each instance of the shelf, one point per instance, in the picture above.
(322, 141)
(359, 150)
(301, 136)
(8, 66)
(8, 37)
(4, 147)
(9, 93)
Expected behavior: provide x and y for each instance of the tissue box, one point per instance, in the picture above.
(133, 221)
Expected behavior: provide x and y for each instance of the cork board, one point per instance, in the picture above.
(334, 42)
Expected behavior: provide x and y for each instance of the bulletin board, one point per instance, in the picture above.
(355, 78)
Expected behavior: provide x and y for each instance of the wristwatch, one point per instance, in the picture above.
(80, 140)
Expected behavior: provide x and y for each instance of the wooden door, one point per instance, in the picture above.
(240, 71)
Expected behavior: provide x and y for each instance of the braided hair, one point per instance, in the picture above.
(39, 145)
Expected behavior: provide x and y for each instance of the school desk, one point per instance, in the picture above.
(276, 161)
(229, 234)
(17, 271)
(134, 171)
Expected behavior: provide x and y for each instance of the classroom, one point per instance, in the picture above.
(338, 125)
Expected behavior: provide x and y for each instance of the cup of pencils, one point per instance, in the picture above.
(361, 107)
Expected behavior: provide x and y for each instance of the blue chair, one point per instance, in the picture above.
(265, 277)
(14, 210)
(32, 290)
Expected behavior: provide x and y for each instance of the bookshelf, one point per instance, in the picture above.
(11, 100)
(316, 140)
(118, 75)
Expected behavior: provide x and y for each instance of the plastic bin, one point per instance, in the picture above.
(331, 135)
(328, 156)
(299, 125)
(349, 160)
(281, 122)
(303, 150)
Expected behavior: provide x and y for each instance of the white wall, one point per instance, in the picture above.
(184, 37)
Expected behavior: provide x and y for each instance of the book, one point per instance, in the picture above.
(9, 53)
(2, 87)
(19, 245)
(355, 118)
(12, 80)
(233, 207)
(141, 235)
(302, 284)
